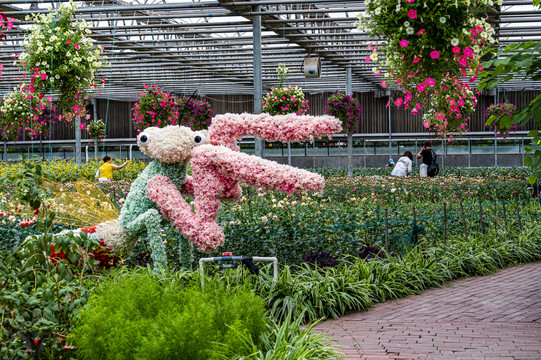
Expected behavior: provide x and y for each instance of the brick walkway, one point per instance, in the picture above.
(493, 317)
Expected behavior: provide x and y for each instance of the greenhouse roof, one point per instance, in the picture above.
(207, 45)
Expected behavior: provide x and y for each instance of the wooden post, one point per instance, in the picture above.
(518, 213)
(386, 231)
(444, 224)
(481, 217)
(504, 215)
(463, 221)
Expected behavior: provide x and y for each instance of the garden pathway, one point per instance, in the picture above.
(495, 317)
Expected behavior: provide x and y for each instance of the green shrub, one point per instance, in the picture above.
(138, 316)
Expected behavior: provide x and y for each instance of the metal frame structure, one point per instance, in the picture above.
(208, 45)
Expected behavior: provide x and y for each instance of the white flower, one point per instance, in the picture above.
(264, 219)
(465, 31)
(409, 30)
(443, 19)
(454, 41)
(406, 23)
(377, 11)
(374, 57)
(484, 35)
(375, 70)
(476, 48)
(397, 8)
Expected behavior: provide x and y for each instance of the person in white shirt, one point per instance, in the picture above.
(403, 165)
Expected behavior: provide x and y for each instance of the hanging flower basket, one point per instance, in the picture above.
(60, 57)
(345, 108)
(195, 114)
(285, 100)
(425, 50)
(21, 112)
(500, 119)
(5, 23)
(154, 108)
(96, 130)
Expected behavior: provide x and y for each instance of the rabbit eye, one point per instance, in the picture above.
(199, 139)
(142, 139)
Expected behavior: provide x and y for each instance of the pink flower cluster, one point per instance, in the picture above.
(5, 22)
(154, 107)
(228, 128)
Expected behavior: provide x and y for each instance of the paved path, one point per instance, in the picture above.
(492, 317)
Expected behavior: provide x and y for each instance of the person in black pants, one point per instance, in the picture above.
(429, 158)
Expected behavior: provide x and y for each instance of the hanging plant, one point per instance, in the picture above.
(346, 108)
(154, 108)
(500, 119)
(426, 47)
(96, 130)
(60, 57)
(285, 100)
(195, 114)
(22, 112)
(5, 23)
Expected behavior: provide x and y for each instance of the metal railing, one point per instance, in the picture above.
(364, 145)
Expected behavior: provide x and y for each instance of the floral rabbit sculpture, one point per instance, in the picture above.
(217, 167)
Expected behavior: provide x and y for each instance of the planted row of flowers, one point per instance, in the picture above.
(68, 171)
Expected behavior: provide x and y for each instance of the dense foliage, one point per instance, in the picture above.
(522, 60)
(136, 315)
(41, 294)
(500, 119)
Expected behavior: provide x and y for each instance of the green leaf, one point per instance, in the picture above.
(532, 179)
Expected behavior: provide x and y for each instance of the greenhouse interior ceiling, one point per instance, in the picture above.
(207, 46)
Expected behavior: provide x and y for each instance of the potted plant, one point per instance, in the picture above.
(96, 131)
(500, 119)
(285, 100)
(154, 107)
